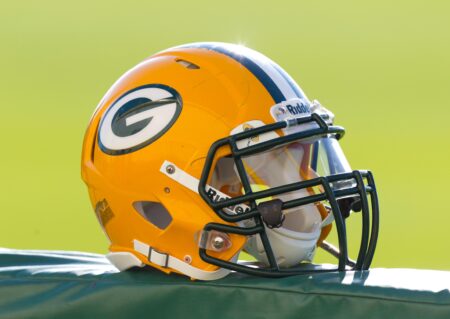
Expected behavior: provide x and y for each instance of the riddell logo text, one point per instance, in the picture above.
(215, 197)
(297, 109)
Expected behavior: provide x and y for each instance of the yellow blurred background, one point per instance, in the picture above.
(382, 67)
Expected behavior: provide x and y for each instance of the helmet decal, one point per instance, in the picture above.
(138, 118)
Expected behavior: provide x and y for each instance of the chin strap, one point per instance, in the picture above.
(178, 175)
(125, 260)
(168, 261)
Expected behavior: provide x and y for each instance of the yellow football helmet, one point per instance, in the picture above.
(208, 149)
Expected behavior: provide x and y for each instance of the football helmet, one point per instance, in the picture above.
(206, 150)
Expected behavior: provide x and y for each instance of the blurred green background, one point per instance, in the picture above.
(382, 67)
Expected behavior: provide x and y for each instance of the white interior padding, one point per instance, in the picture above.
(296, 240)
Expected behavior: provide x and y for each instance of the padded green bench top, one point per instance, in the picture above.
(61, 284)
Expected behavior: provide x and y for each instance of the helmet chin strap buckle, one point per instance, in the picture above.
(271, 213)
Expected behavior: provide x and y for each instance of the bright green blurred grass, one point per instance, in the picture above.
(383, 68)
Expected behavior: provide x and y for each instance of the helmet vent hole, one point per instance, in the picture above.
(154, 212)
(187, 64)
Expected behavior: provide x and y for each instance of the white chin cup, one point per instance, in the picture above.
(290, 243)
(288, 251)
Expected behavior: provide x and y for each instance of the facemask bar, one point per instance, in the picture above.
(368, 239)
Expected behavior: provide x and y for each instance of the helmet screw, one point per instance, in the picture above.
(187, 259)
(170, 169)
(280, 111)
(218, 242)
(167, 190)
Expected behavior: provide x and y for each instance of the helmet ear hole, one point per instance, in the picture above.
(154, 212)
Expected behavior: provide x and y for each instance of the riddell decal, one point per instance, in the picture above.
(291, 108)
(297, 108)
(215, 196)
(138, 118)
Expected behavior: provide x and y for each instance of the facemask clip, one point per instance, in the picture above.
(271, 213)
(214, 240)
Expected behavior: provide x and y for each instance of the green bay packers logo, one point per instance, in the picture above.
(138, 118)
